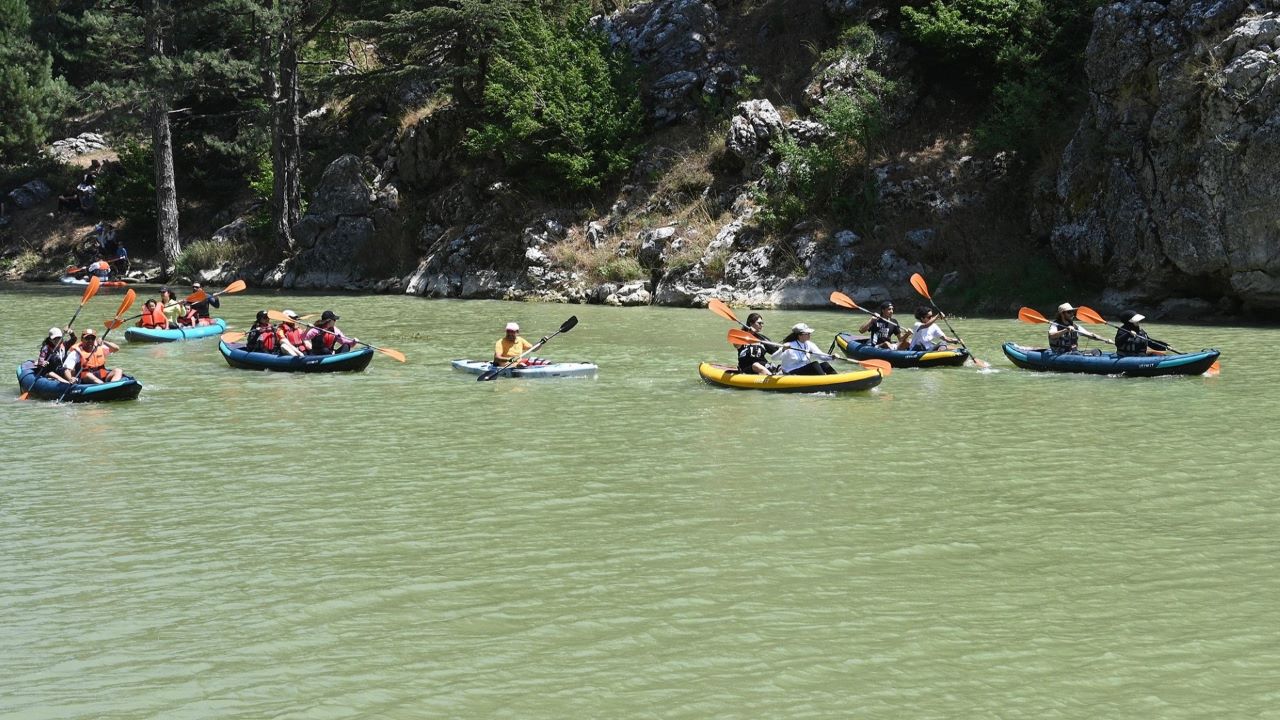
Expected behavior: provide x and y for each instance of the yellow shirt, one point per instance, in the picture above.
(504, 350)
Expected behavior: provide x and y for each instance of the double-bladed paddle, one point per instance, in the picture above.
(1090, 315)
(917, 282)
(278, 316)
(718, 307)
(115, 322)
(743, 337)
(565, 327)
(92, 289)
(197, 296)
(1027, 315)
(73, 270)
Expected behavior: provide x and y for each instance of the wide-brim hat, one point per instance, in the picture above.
(1066, 307)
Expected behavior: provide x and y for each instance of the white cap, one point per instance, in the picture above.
(292, 314)
(1137, 318)
(799, 328)
(55, 332)
(1065, 307)
(513, 327)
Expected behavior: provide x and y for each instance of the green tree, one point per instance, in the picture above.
(30, 97)
(559, 102)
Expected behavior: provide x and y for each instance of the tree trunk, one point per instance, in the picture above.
(285, 145)
(162, 145)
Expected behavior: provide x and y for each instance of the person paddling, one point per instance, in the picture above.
(885, 330)
(88, 361)
(1064, 334)
(171, 306)
(797, 353)
(926, 335)
(153, 315)
(1132, 339)
(198, 313)
(751, 357)
(511, 346)
(291, 339)
(325, 338)
(261, 337)
(53, 353)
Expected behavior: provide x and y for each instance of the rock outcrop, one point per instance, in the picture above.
(1168, 185)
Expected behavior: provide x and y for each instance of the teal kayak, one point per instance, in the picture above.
(137, 333)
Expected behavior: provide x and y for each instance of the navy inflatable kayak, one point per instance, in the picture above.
(137, 333)
(857, 348)
(126, 388)
(238, 357)
(1110, 363)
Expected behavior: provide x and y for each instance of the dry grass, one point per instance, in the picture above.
(417, 115)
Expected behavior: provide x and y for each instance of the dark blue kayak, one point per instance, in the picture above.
(137, 333)
(126, 388)
(858, 348)
(238, 357)
(1110, 363)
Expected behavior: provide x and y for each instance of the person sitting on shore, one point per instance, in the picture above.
(88, 360)
(1132, 339)
(796, 356)
(926, 335)
(325, 338)
(885, 331)
(262, 336)
(290, 338)
(511, 346)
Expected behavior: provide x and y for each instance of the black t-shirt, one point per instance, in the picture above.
(749, 355)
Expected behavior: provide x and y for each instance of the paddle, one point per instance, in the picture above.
(565, 327)
(199, 295)
(90, 290)
(231, 337)
(129, 297)
(1091, 316)
(845, 301)
(921, 287)
(719, 308)
(742, 337)
(1027, 315)
(278, 316)
(73, 270)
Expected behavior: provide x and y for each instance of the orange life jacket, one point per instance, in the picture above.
(294, 335)
(94, 359)
(154, 318)
(99, 265)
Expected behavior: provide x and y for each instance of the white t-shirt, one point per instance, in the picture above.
(790, 358)
(927, 337)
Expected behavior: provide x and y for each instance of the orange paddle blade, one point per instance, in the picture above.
(234, 287)
(124, 304)
(882, 365)
(1089, 315)
(278, 316)
(72, 270)
(25, 395)
(839, 298)
(393, 354)
(113, 323)
(919, 284)
(197, 296)
(719, 308)
(231, 337)
(1027, 315)
(1215, 368)
(742, 337)
(94, 283)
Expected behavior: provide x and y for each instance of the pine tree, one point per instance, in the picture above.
(30, 97)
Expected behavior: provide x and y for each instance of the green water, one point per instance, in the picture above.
(409, 543)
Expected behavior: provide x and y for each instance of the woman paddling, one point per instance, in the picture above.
(751, 358)
(797, 353)
(1132, 339)
(927, 336)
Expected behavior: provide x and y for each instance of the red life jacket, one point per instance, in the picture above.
(294, 335)
(263, 339)
(99, 265)
(326, 337)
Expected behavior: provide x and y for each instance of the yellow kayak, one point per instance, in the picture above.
(729, 376)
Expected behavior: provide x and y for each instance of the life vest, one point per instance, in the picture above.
(154, 318)
(293, 335)
(1131, 342)
(322, 343)
(261, 339)
(50, 358)
(91, 360)
(1068, 341)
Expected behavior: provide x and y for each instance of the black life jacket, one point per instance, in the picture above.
(52, 358)
(748, 355)
(1131, 341)
(1068, 341)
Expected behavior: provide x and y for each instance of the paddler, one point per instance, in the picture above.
(751, 358)
(171, 306)
(291, 339)
(198, 313)
(1132, 339)
(325, 338)
(885, 330)
(511, 346)
(53, 353)
(798, 352)
(925, 334)
(1064, 334)
(153, 315)
(261, 337)
(88, 360)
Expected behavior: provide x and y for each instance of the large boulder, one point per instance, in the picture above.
(1169, 180)
(755, 125)
(337, 232)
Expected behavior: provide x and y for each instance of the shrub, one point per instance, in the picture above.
(622, 269)
(205, 254)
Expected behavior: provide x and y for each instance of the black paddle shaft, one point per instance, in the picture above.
(564, 327)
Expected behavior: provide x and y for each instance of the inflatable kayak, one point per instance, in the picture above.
(137, 333)
(238, 357)
(859, 349)
(68, 280)
(727, 376)
(126, 388)
(558, 369)
(1110, 363)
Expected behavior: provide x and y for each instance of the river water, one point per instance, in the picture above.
(408, 543)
